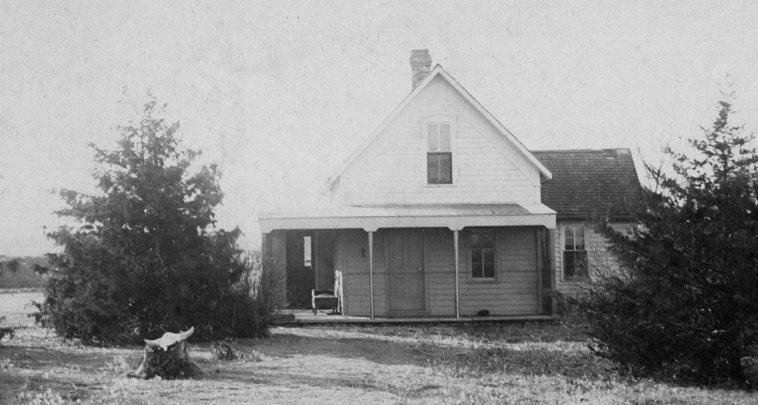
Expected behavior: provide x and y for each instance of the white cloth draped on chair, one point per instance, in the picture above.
(338, 289)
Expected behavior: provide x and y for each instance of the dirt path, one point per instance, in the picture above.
(331, 366)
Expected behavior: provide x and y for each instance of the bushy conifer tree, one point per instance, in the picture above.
(144, 256)
(687, 304)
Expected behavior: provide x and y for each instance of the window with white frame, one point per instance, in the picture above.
(482, 254)
(439, 157)
(575, 264)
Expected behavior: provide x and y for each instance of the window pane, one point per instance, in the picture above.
(569, 238)
(476, 256)
(489, 270)
(579, 237)
(433, 136)
(439, 168)
(433, 168)
(482, 254)
(489, 256)
(575, 264)
(446, 168)
(476, 270)
(476, 263)
(444, 137)
(580, 264)
(568, 265)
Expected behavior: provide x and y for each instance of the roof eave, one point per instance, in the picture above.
(593, 218)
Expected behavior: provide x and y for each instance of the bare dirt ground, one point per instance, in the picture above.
(507, 363)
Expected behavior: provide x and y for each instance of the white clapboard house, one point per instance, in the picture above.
(443, 212)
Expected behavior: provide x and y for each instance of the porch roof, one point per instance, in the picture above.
(373, 217)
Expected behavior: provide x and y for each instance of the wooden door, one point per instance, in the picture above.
(404, 250)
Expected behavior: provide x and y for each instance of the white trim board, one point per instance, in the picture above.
(371, 224)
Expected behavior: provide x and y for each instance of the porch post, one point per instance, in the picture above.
(457, 265)
(371, 269)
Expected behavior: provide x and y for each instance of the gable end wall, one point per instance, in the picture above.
(486, 168)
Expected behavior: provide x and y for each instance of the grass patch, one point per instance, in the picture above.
(524, 363)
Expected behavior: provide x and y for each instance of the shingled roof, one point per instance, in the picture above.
(589, 184)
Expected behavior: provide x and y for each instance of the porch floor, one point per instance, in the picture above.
(291, 317)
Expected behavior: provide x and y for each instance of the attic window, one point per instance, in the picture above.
(439, 159)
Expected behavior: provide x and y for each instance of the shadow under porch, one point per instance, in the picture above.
(305, 260)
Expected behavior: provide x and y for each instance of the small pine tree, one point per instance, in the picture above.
(144, 257)
(688, 304)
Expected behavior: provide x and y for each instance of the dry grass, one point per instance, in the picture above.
(507, 363)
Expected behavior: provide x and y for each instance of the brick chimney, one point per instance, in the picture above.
(421, 65)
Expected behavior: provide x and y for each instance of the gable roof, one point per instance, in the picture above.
(440, 71)
(589, 184)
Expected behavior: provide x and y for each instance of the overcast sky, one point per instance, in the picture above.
(280, 93)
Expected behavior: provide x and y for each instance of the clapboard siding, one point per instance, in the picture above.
(352, 250)
(514, 292)
(486, 168)
(600, 258)
(439, 259)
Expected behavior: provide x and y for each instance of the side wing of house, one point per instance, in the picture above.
(588, 189)
(582, 252)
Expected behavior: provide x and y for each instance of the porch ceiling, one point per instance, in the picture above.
(373, 217)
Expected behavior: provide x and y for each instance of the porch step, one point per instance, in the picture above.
(282, 319)
(307, 318)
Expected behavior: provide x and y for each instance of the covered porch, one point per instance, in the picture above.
(430, 263)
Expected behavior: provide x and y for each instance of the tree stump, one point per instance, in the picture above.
(167, 358)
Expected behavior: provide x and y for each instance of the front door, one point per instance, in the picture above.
(406, 270)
